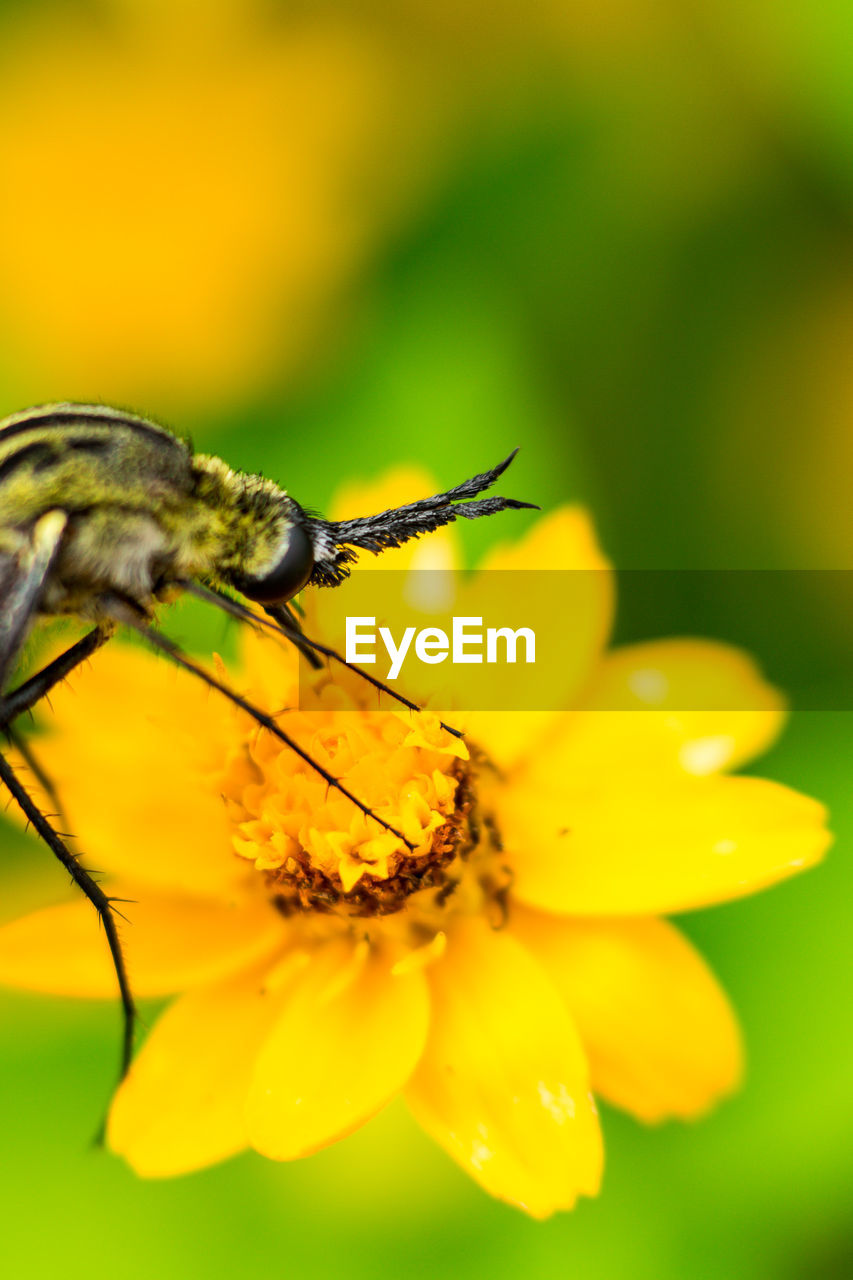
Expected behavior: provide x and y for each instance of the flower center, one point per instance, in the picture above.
(317, 852)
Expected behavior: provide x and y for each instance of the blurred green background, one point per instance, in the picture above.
(323, 238)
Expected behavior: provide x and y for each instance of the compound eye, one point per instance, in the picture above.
(287, 577)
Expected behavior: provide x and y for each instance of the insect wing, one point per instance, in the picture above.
(22, 578)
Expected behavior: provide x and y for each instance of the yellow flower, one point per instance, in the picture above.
(504, 974)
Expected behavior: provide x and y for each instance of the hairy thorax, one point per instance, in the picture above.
(143, 513)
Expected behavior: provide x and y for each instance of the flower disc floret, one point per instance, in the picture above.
(314, 848)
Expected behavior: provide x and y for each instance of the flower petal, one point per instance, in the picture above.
(563, 541)
(182, 1106)
(345, 1043)
(654, 845)
(120, 785)
(169, 943)
(690, 705)
(660, 1035)
(503, 1084)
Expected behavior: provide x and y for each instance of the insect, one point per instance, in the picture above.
(105, 515)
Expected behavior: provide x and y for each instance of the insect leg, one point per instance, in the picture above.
(279, 613)
(90, 888)
(292, 628)
(25, 697)
(46, 783)
(38, 686)
(22, 579)
(123, 611)
(286, 625)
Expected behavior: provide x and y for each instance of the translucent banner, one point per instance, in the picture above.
(520, 640)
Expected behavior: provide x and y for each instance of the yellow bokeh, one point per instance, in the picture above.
(186, 191)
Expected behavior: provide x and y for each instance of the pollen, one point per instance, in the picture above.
(317, 852)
